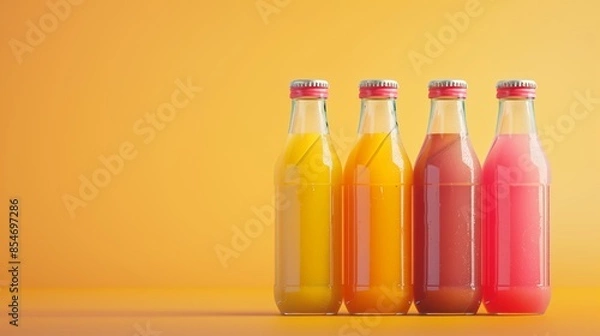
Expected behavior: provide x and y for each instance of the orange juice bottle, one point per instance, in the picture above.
(377, 196)
(308, 185)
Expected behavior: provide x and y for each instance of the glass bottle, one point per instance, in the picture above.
(308, 203)
(377, 196)
(446, 208)
(516, 209)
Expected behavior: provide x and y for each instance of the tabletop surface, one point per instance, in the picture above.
(223, 311)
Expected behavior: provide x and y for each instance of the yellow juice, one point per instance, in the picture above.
(377, 187)
(308, 182)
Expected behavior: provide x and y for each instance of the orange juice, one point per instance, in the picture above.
(308, 185)
(377, 197)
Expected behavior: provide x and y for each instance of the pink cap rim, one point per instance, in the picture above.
(451, 92)
(378, 88)
(448, 88)
(515, 92)
(309, 92)
(516, 88)
(374, 92)
(309, 88)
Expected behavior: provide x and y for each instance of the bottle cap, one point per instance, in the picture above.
(310, 88)
(370, 88)
(450, 88)
(518, 88)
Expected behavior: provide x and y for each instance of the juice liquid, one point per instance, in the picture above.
(377, 182)
(446, 226)
(308, 227)
(516, 276)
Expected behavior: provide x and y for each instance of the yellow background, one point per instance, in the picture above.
(156, 224)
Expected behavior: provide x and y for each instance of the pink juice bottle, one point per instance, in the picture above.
(515, 197)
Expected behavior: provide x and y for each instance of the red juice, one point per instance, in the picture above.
(446, 227)
(446, 209)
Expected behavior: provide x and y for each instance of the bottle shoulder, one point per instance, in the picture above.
(378, 160)
(447, 160)
(516, 159)
(309, 158)
(378, 153)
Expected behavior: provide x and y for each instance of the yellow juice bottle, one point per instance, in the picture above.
(308, 186)
(377, 196)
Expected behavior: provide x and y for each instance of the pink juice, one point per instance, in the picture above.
(515, 217)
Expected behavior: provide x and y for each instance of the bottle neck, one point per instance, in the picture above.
(447, 116)
(309, 115)
(378, 115)
(516, 116)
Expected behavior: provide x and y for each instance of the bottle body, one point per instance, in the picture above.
(516, 216)
(446, 215)
(378, 228)
(377, 224)
(447, 226)
(308, 227)
(516, 233)
(308, 215)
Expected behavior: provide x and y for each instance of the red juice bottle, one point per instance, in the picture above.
(446, 209)
(516, 194)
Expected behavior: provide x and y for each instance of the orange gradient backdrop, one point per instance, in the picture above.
(92, 84)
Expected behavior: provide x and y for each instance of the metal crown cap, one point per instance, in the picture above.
(516, 83)
(309, 88)
(309, 83)
(516, 88)
(377, 83)
(449, 88)
(447, 83)
(378, 88)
